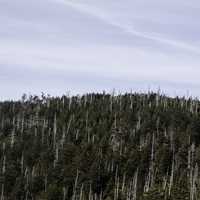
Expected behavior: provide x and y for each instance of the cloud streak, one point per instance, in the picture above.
(129, 29)
(56, 45)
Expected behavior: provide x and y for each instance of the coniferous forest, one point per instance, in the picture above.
(100, 146)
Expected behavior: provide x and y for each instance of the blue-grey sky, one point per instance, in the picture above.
(55, 46)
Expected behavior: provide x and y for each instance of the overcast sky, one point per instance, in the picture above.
(55, 46)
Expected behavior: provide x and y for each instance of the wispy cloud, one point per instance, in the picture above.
(91, 10)
(85, 45)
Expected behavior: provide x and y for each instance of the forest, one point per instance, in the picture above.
(100, 146)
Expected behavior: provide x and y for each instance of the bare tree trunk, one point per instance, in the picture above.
(172, 174)
(75, 185)
(54, 131)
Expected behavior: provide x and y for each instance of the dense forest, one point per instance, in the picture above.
(100, 146)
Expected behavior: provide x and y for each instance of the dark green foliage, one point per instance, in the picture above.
(154, 194)
(100, 147)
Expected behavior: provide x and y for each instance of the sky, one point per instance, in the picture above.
(80, 46)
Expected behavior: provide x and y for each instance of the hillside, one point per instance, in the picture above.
(100, 147)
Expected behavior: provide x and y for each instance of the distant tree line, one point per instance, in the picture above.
(100, 146)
